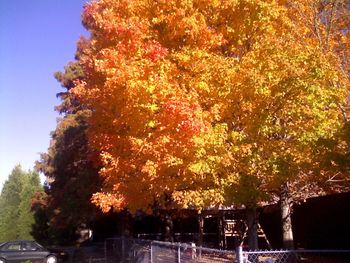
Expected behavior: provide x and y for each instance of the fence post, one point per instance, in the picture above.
(105, 249)
(239, 253)
(151, 252)
(123, 249)
(179, 253)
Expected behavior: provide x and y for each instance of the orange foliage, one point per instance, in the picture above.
(195, 102)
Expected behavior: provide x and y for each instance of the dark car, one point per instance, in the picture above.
(25, 251)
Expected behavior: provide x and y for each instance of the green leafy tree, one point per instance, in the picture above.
(15, 204)
(31, 187)
(9, 204)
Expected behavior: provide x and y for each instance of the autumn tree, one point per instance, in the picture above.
(327, 24)
(206, 103)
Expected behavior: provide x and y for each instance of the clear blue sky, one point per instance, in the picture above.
(37, 38)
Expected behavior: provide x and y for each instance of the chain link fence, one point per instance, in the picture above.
(92, 253)
(295, 256)
(148, 251)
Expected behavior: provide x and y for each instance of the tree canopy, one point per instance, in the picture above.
(205, 103)
(15, 204)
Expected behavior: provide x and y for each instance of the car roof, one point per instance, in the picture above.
(13, 241)
(10, 241)
(20, 240)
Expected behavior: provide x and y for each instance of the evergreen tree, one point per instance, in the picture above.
(70, 168)
(26, 219)
(15, 204)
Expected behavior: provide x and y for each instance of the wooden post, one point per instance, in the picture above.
(123, 249)
(200, 229)
(221, 231)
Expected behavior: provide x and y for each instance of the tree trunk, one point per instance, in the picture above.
(252, 221)
(200, 229)
(221, 231)
(125, 224)
(286, 216)
(168, 229)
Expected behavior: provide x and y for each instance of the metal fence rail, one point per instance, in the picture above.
(147, 251)
(296, 256)
(136, 250)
